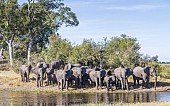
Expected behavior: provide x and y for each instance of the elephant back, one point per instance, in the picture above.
(120, 72)
(76, 65)
(89, 70)
(138, 71)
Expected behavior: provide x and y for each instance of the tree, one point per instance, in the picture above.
(122, 50)
(9, 23)
(59, 49)
(44, 18)
(87, 53)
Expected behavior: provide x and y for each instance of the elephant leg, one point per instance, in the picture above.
(62, 85)
(117, 84)
(51, 82)
(122, 83)
(96, 82)
(41, 82)
(66, 85)
(22, 78)
(138, 82)
(143, 83)
(27, 77)
(76, 81)
(147, 82)
(134, 82)
(80, 82)
(100, 83)
(127, 84)
(108, 85)
(37, 81)
(58, 84)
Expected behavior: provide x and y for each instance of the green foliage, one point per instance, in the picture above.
(86, 53)
(164, 71)
(40, 20)
(58, 49)
(122, 50)
(35, 20)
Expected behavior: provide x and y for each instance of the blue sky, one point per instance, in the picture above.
(146, 20)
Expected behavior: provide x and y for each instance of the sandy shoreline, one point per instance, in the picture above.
(11, 81)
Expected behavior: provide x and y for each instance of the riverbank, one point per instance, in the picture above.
(9, 80)
(132, 104)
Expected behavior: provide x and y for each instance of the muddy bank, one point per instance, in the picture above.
(10, 80)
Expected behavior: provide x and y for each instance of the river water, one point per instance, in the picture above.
(11, 98)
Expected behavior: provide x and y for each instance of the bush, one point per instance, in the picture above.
(164, 71)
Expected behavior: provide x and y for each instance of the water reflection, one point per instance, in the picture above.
(44, 99)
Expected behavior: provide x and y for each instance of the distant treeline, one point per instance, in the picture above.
(164, 62)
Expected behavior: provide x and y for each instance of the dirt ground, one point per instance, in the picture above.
(10, 80)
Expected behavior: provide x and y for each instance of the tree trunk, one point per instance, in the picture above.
(29, 50)
(10, 52)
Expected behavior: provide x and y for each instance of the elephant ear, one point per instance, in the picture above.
(147, 70)
(129, 72)
(29, 67)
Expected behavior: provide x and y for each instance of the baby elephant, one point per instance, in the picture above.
(110, 81)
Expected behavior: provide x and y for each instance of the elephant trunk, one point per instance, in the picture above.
(27, 79)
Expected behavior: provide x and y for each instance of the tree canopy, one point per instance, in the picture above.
(31, 28)
(32, 23)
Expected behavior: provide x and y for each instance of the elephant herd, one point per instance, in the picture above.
(75, 75)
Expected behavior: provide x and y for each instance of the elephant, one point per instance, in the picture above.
(51, 77)
(63, 77)
(39, 73)
(122, 75)
(110, 81)
(97, 77)
(57, 64)
(79, 75)
(144, 73)
(88, 80)
(25, 72)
